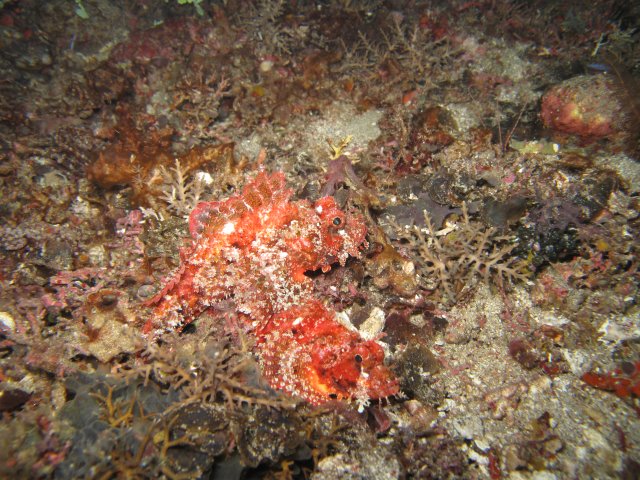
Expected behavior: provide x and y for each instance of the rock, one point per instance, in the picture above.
(12, 399)
(7, 322)
(586, 106)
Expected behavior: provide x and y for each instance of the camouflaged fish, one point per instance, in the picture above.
(254, 249)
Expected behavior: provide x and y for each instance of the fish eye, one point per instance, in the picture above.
(333, 396)
(358, 358)
(337, 221)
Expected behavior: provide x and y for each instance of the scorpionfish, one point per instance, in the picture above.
(253, 249)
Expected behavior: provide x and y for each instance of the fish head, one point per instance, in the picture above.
(345, 366)
(308, 352)
(343, 234)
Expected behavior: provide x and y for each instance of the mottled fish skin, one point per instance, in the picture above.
(219, 230)
(254, 248)
(305, 351)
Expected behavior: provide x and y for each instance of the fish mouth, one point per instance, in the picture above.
(382, 383)
(375, 383)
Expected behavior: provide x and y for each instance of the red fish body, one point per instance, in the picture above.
(254, 248)
(307, 352)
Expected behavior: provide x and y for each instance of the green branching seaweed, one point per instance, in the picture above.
(196, 4)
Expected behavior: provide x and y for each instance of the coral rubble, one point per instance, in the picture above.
(441, 281)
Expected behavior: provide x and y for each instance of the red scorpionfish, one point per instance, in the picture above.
(255, 248)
